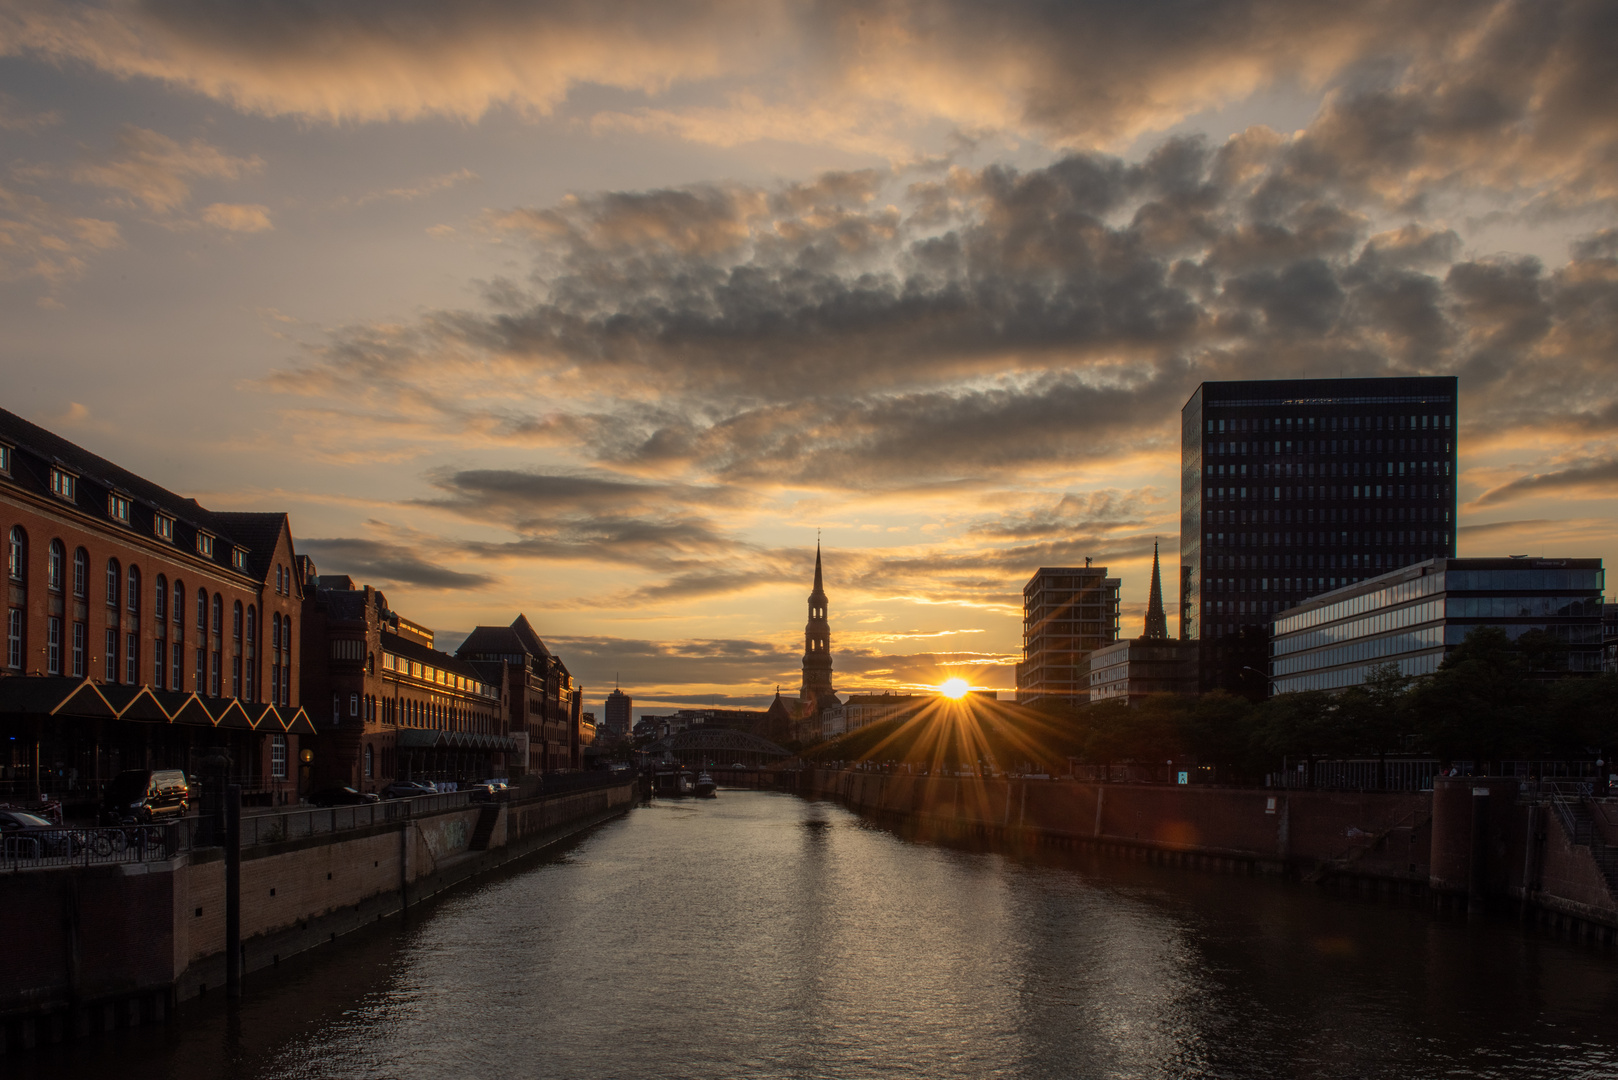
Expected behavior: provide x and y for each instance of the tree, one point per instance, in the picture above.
(1375, 715)
(1480, 702)
(1300, 724)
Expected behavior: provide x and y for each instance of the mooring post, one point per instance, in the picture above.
(233, 891)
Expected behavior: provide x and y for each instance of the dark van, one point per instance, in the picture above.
(144, 795)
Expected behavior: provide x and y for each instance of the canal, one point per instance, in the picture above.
(760, 935)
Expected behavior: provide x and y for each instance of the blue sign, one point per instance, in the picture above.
(1185, 777)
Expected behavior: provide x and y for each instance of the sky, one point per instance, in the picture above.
(603, 312)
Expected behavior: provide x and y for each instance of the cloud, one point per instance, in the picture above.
(151, 170)
(48, 242)
(1594, 478)
(17, 117)
(429, 186)
(235, 217)
(377, 562)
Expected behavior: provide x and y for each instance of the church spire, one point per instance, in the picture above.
(1157, 622)
(817, 687)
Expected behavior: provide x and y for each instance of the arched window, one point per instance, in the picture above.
(218, 614)
(369, 772)
(160, 599)
(236, 620)
(55, 566)
(114, 581)
(18, 554)
(179, 604)
(202, 611)
(252, 620)
(81, 572)
(370, 663)
(132, 593)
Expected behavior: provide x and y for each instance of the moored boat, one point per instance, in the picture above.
(706, 786)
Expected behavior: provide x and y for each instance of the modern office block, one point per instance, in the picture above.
(1291, 488)
(1413, 616)
(1142, 666)
(1068, 613)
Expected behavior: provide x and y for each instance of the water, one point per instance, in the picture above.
(760, 935)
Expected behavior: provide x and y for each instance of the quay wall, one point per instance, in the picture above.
(99, 947)
(1471, 842)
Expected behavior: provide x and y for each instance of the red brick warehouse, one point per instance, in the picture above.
(142, 630)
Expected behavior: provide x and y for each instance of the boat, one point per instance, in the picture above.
(683, 783)
(706, 788)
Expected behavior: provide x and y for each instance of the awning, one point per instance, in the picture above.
(53, 696)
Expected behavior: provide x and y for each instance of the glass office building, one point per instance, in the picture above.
(1415, 615)
(1294, 487)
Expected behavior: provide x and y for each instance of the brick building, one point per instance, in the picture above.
(386, 703)
(543, 705)
(142, 630)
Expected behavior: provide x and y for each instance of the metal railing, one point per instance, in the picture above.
(45, 848)
(278, 825)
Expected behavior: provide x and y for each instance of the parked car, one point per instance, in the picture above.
(482, 792)
(342, 796)
(499, 783)
(144, 795)
(407, 789)
(29, 836)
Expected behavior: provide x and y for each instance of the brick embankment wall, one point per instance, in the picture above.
(1473, 841)
(107, 946)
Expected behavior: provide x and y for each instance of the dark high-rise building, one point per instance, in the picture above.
(816, 691)
(1294, 487)
(1068, 613)
(620, 712)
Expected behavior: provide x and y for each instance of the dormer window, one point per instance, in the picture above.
(5, 459)
(205, 545)
(64, 485)
(164, 527)
(118, 507)
(238, 558)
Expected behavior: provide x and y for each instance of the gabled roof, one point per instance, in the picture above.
(38, 450)
(517, 638)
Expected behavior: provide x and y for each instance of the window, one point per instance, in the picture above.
(238, 558)
(53, 645)
(216, 675)
(202, 611)
(55, 565)
(199, 673)
(353, 704)
(14, 639)
(118, 507)
(114, 582)
(177, 675)
(81, 642)
(160, 666)
(131, 659)
(109, 667)
(369, 771)
(278, 756)
(252, 618)
(286, 682)
(163, 526)
(277, 579)
(5, 459)
(81, 573)
(179, 608)
(17, 554)
(160, 601)
(64, 485)
(218, 615)
(132, 593)
(204, 545)
(236, 621)
(235, 676)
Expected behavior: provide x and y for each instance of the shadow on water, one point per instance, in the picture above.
(763, 935)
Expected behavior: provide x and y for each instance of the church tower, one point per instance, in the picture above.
(817, 686)
(1157, 622)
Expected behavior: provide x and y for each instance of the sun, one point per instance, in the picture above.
(954, 688)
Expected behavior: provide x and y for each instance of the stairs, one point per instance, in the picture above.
(1581, 828)
(488, 817)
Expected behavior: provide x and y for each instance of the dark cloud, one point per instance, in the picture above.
(376, 562)
(1595, 478)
